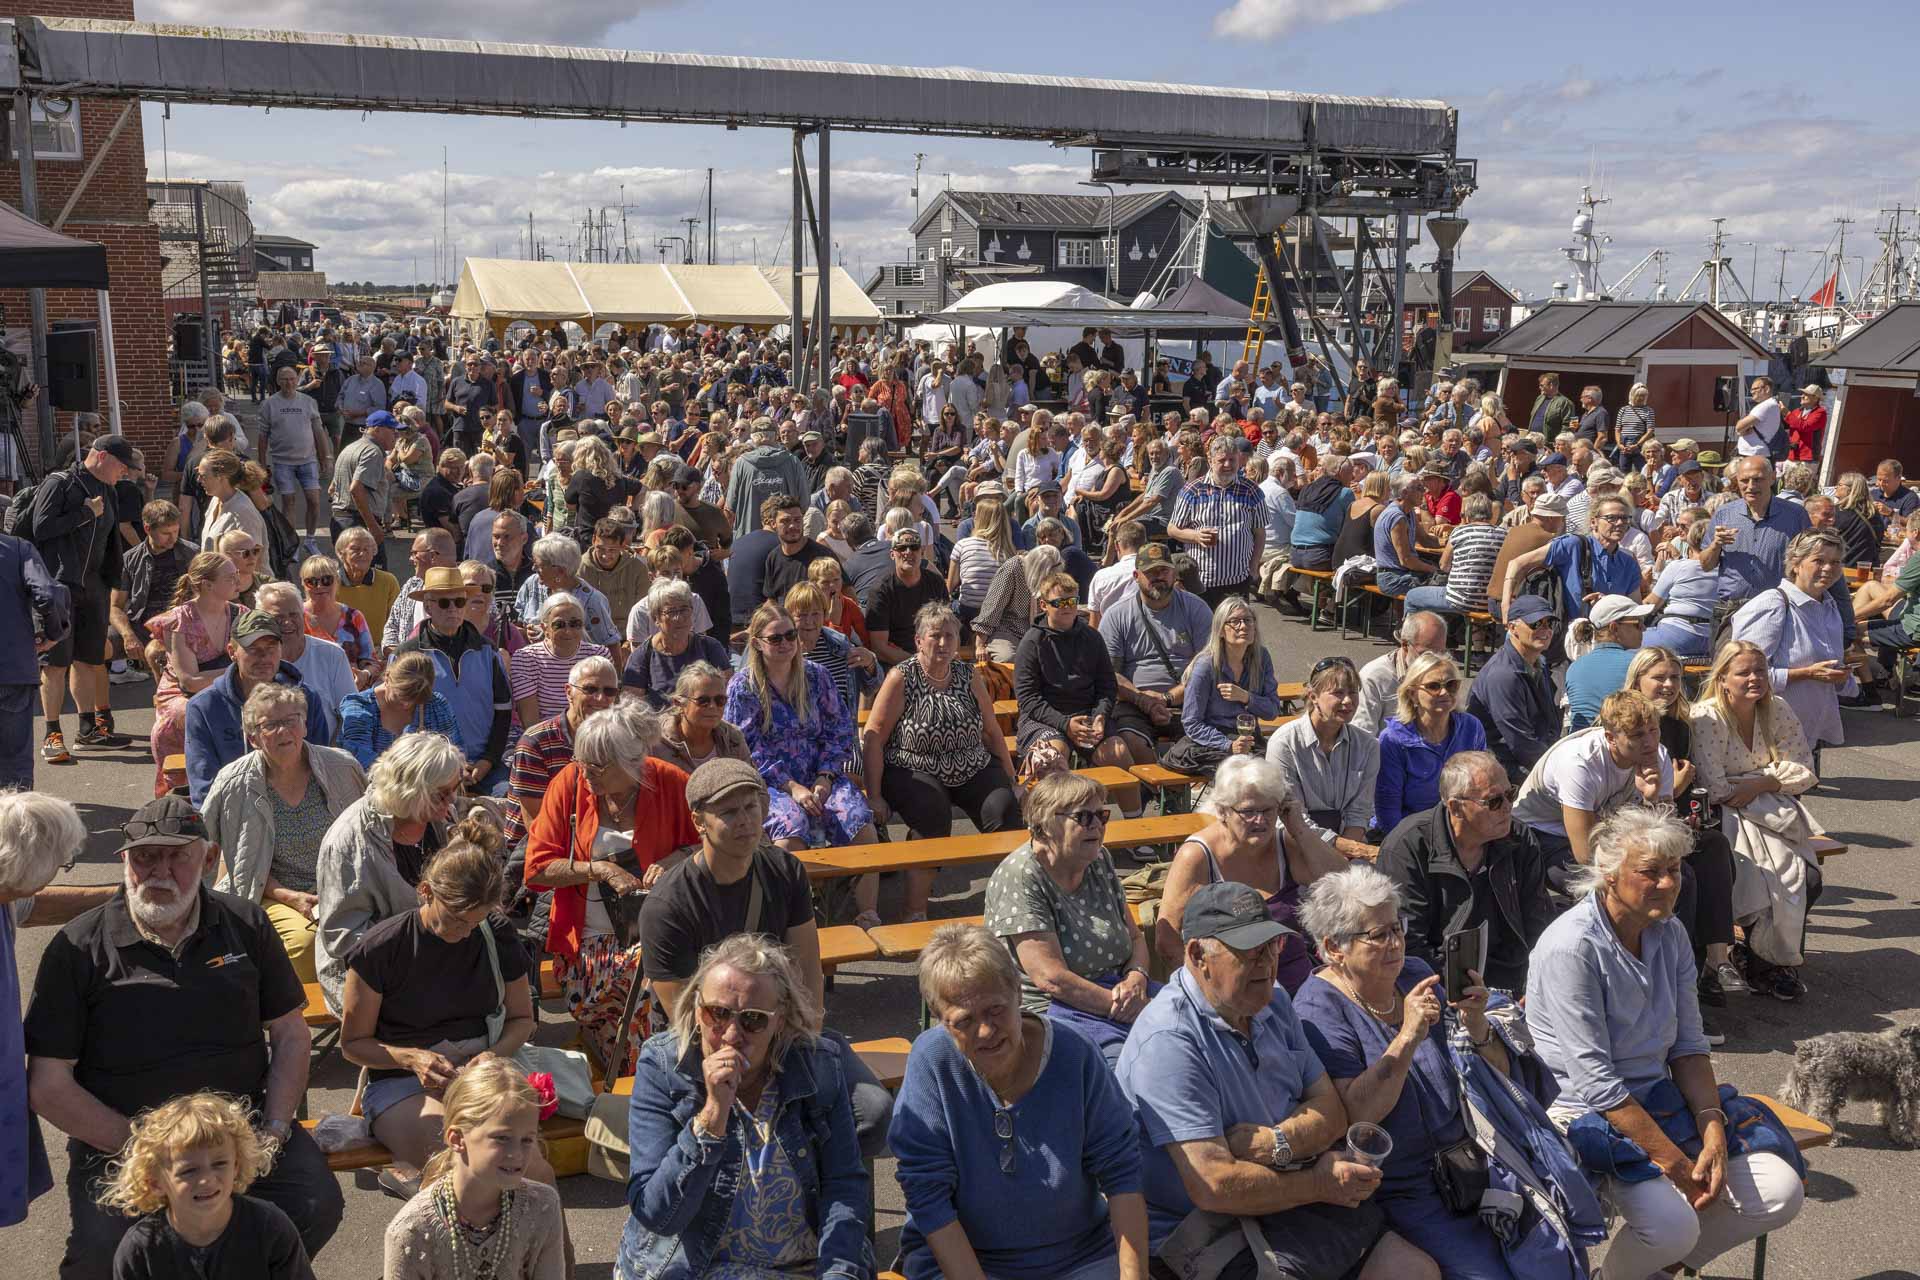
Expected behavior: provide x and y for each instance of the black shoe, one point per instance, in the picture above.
(1711, 993)
(1783, 984)
(98, 735)
(1714, 1036)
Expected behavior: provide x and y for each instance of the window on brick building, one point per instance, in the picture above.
(56, 129)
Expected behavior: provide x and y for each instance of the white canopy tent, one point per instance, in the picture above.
(1014, 295)
(496, 292)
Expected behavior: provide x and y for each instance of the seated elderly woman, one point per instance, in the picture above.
(547, 748)
(1431, 724)
(1330, 765)
(933, 742)
(403, 701)
(1071, 1143)
(1377, 1019)
(420, 991)
(1058, 903)
(556, 567)
(610, 825)
(1230, 688)
(1614, 1014)
(693, 729)
(671, 641)
(744, 1079)
(539, 673)
(1754, 762)
(1064, 680)
(800, 736)
(670, 563)
(373, 853)
(270, 809)
(1259, 837)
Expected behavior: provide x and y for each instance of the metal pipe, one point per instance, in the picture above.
(206, 305)
(797, 351)
(36, 298)
(1397, 326)
(112, 364)
(823, 257)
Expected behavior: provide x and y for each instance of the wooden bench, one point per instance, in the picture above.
(1368, 595)
(845, 944)
(1476, 618)
(1322, 580)
(1171, 788)
(974, 850)
(1825, 847)
(1290, 694)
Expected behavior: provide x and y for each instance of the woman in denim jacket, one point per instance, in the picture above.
(745, 1164)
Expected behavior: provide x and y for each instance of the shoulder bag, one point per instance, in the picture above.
(572, 1077)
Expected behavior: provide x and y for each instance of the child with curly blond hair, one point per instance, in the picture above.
(183, 1172)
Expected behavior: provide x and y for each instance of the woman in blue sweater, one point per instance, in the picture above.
(1018, 1153)
(1230, 678)
(1423, 733)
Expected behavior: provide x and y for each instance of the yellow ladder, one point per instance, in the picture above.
(1257, 318)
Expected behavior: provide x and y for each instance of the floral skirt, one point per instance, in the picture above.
(844, 814)
(596, 983)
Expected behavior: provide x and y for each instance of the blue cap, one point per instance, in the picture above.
(381, 418)
(1554, 460)
(1529, 609)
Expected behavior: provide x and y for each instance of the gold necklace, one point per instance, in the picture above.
(1353, 990)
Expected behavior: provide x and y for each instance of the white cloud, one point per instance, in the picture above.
(1271, 19)
(576, 22)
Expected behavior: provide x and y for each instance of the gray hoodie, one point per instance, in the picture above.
(759, 474)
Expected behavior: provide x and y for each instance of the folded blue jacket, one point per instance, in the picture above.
(1751, 1128)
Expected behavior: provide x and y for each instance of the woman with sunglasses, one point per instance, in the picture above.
(538, 677)
(270, 809)
(998, 1113)
(331, 618)
(194, 632)
(800, 736)
(1064, 680)
(693, 729)
(1258, 837)
(1328, 763)
(745, 1160)
(1430, 726)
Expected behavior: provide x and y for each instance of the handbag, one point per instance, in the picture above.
(572, 1076)
(1459, 1170)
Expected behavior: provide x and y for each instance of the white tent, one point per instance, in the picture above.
(495, 292)
(1013, 295)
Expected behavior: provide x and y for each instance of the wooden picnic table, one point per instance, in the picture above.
(958, 851)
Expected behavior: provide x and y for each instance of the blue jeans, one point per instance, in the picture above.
(19, 703)
(1683, 640)
(1395, 582)
(1433, 598)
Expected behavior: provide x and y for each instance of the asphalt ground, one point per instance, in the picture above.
(1863, 971)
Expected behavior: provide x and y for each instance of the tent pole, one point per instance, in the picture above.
(795, 347)
(113, 364)
(36, 298)
(823, 259)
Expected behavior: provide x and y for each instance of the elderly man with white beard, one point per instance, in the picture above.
(163, 991)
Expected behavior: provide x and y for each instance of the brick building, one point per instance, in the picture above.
(111, 211)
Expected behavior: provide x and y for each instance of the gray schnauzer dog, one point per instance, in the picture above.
(1882, 1067)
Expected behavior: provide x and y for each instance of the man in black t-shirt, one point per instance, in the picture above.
(896, 598)
(740, 882)
(163, 991)
(787, 563)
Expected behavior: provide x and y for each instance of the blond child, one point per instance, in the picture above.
(476, 1213)
(183, 1171)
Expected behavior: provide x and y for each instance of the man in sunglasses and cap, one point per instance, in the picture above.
(214, 736)
(1513, 696)
(1239, 1115)
(741, 882)
(162, 991)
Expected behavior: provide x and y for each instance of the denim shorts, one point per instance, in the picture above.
(382, 1095)
(288, 476)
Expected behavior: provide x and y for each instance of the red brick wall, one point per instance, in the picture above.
(113, 212)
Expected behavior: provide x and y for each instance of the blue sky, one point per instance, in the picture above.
(1684, 111)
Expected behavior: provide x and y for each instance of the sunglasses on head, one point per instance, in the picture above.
(718, 1016)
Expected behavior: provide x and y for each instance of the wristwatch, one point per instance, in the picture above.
(1282, 1149)
(280, 1129)
(1133, 969)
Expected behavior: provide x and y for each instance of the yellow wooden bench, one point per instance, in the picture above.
(1322, 580)
(845, 944)
(1173, 789)
(972, 850)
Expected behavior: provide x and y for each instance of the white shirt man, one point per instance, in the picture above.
(1756, 432)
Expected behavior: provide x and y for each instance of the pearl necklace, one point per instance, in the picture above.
(1353, 989)
(481, 1262)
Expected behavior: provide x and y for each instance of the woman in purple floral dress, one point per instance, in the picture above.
(799, 734)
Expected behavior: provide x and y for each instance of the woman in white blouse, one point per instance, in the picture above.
(1754, 760)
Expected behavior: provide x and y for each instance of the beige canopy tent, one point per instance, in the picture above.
(496, 292)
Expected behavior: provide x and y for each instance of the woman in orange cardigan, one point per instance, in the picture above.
(612, 823)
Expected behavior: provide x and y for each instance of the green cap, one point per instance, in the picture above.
(253, 624)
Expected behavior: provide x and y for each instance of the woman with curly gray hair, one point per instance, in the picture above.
(744, 1079)
(1614, 1009)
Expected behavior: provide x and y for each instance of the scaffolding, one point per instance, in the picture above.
(206, 246)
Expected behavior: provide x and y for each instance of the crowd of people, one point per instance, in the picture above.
(670, 623)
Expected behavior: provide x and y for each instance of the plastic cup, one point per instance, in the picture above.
(1368, 1144)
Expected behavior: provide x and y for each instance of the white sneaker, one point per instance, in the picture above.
(128, 674)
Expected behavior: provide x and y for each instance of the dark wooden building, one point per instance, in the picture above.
(1482, 307)
(1875, 409)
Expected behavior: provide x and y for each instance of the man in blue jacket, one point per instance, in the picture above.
(214, 736)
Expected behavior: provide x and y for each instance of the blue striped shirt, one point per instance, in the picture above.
(1234, 511)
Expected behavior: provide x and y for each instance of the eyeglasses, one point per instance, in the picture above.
(1062, 602)
(1257, 817)
(1440, 686)
(719, 1016)
(597, 690)
(448, 602)
(148, 860)
(248, 553)
(781, 637)
(1614, 517)
(1493, 803)
(1386, 933)
(138, 829)
(285, 722)
(1089, 817)
(567, 624)
(1003, 1130)
(325, 580)
(706, 700)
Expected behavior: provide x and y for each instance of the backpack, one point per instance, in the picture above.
(20, 511)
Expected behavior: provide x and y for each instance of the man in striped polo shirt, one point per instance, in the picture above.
(1220, 520)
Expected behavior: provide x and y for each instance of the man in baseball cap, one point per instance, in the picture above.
(214, 735)
(1221, 1049)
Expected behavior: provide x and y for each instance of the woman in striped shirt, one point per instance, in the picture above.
(538, 678)
(978, 556)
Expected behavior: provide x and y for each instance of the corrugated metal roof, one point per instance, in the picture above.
(1038, 209)
(1602, 330)
(1889, 341)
